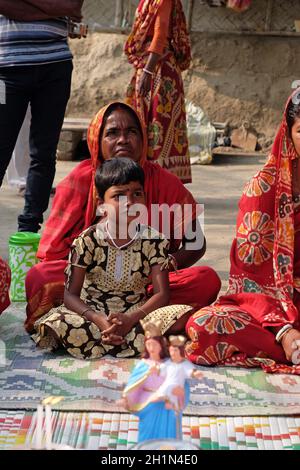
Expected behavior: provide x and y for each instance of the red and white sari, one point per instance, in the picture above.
(264, 284)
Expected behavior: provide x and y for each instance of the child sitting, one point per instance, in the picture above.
(108, 273)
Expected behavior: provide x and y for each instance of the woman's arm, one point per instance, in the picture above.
(157, 46)
(288, 341)
(146, 77)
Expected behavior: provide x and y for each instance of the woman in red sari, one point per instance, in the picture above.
(4, 285)
(257, 321)
(110, 134)
(159, 49)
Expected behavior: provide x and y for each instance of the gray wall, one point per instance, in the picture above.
(274, 15)
(233, 77)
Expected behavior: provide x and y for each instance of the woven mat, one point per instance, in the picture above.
(109, 431)
(28, 374)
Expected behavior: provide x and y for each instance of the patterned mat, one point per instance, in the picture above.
(28, 374)
(114, 431)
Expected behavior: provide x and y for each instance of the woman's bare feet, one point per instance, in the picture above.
(289, 344)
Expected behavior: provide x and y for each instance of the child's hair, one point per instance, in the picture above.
(117, 171)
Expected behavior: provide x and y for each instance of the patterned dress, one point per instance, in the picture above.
(264, 285)
(115, 281)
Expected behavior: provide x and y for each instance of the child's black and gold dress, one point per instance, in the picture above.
(116, 280)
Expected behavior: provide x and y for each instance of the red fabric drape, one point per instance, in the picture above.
(263, 277)
(5, 277)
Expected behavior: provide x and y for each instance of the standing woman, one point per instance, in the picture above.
(159, 49)
(18, 167)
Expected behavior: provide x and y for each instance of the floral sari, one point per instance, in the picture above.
(264, 284)
(163, 109)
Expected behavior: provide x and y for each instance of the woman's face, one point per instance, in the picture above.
(295, 133)
(121, 136)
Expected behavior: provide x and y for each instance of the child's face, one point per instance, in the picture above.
(121, 200)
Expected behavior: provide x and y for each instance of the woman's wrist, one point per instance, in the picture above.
(134, 317)
(286, 338)
(172, 262)
(283, 332)
(91, 314)
(84, 312)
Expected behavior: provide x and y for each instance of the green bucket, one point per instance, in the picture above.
(22, 247)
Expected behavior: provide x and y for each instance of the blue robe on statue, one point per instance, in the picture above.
(155, 421)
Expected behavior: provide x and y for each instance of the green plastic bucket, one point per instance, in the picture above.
(22, 247)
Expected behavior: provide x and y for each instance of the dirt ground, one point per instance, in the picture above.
(232, 78)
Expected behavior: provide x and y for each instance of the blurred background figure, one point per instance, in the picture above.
(36, 69)
(18, 167)
(159, 49)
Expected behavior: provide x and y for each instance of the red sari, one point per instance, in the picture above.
(4, 285)
(74, 209)
(264, 284)
(163, 109)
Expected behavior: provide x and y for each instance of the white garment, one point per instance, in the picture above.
(17, 169)
(175, 374)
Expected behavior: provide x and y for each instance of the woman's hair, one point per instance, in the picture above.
(293, 111)
(163, 343)
(116, 172)
(113, 107)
